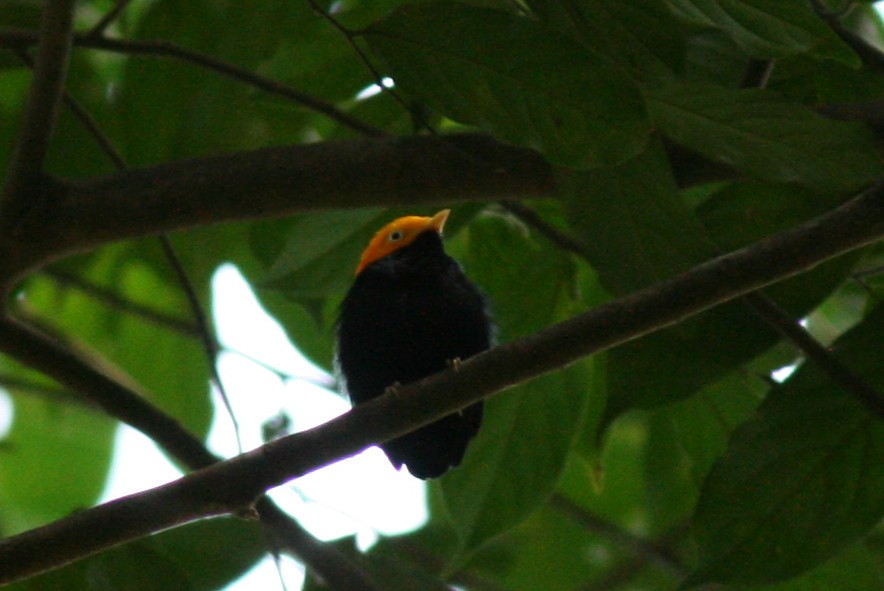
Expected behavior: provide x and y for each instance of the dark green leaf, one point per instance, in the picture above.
(202, 556)
(515, 462)
(674, 363)
(172, 366)
(768, 29)
(549, 551)
(632, 222)
(801, 480)
(515, 78)
(51, 443)
(855, 569)
(764, 136)
(639, 35)
(314, 255)
(686, 438)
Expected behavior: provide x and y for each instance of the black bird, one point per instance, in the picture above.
(410, 312)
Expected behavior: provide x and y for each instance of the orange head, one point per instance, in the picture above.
(399, 233)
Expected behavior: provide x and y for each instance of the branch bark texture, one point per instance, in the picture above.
(265, 183)
(233, 485)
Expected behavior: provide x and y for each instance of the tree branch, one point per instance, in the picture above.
(767, 309)
(95, 388)
(40, 352)
(263, 183)
(46, 90)
(233, 485)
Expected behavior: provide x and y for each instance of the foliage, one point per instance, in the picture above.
(672, 460)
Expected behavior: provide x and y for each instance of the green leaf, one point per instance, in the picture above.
(855, 569)
(686, 438)
(641, 36)
(612, 484)
(550, 551)
(802, 479)
(314, 255)
(674, 363)
(51, 443)
(515, 78)
(201, 556)
(632, 213)
(390, 561)
(515, 462)
(170, 365)
(703, 423)
(764, 136)
(636, 231)
(768, 29)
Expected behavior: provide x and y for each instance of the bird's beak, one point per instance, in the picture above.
(437, 222)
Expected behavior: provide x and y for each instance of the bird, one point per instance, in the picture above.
(412, 312)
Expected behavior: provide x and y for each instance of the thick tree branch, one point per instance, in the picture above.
(43, 354)
(234, 485)
(263, 183)
(50, 72)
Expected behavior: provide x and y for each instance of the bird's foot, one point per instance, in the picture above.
(454, 364)
(393, 389)
(249, 513)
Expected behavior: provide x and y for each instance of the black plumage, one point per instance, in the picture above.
(407, 315)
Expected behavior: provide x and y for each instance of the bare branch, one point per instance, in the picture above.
(233, 485)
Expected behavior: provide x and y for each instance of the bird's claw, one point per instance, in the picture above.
(454, 364)
(393, 389)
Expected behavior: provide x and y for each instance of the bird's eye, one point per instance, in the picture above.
(396, 236)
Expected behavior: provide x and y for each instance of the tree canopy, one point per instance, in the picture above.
(675, 207)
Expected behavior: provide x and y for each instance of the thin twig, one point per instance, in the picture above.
(350, 37)
(651, 551)
(114, 300)
(168, 49)
(172, 50)
(780, 320)
(207, 337)
(336, 569)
